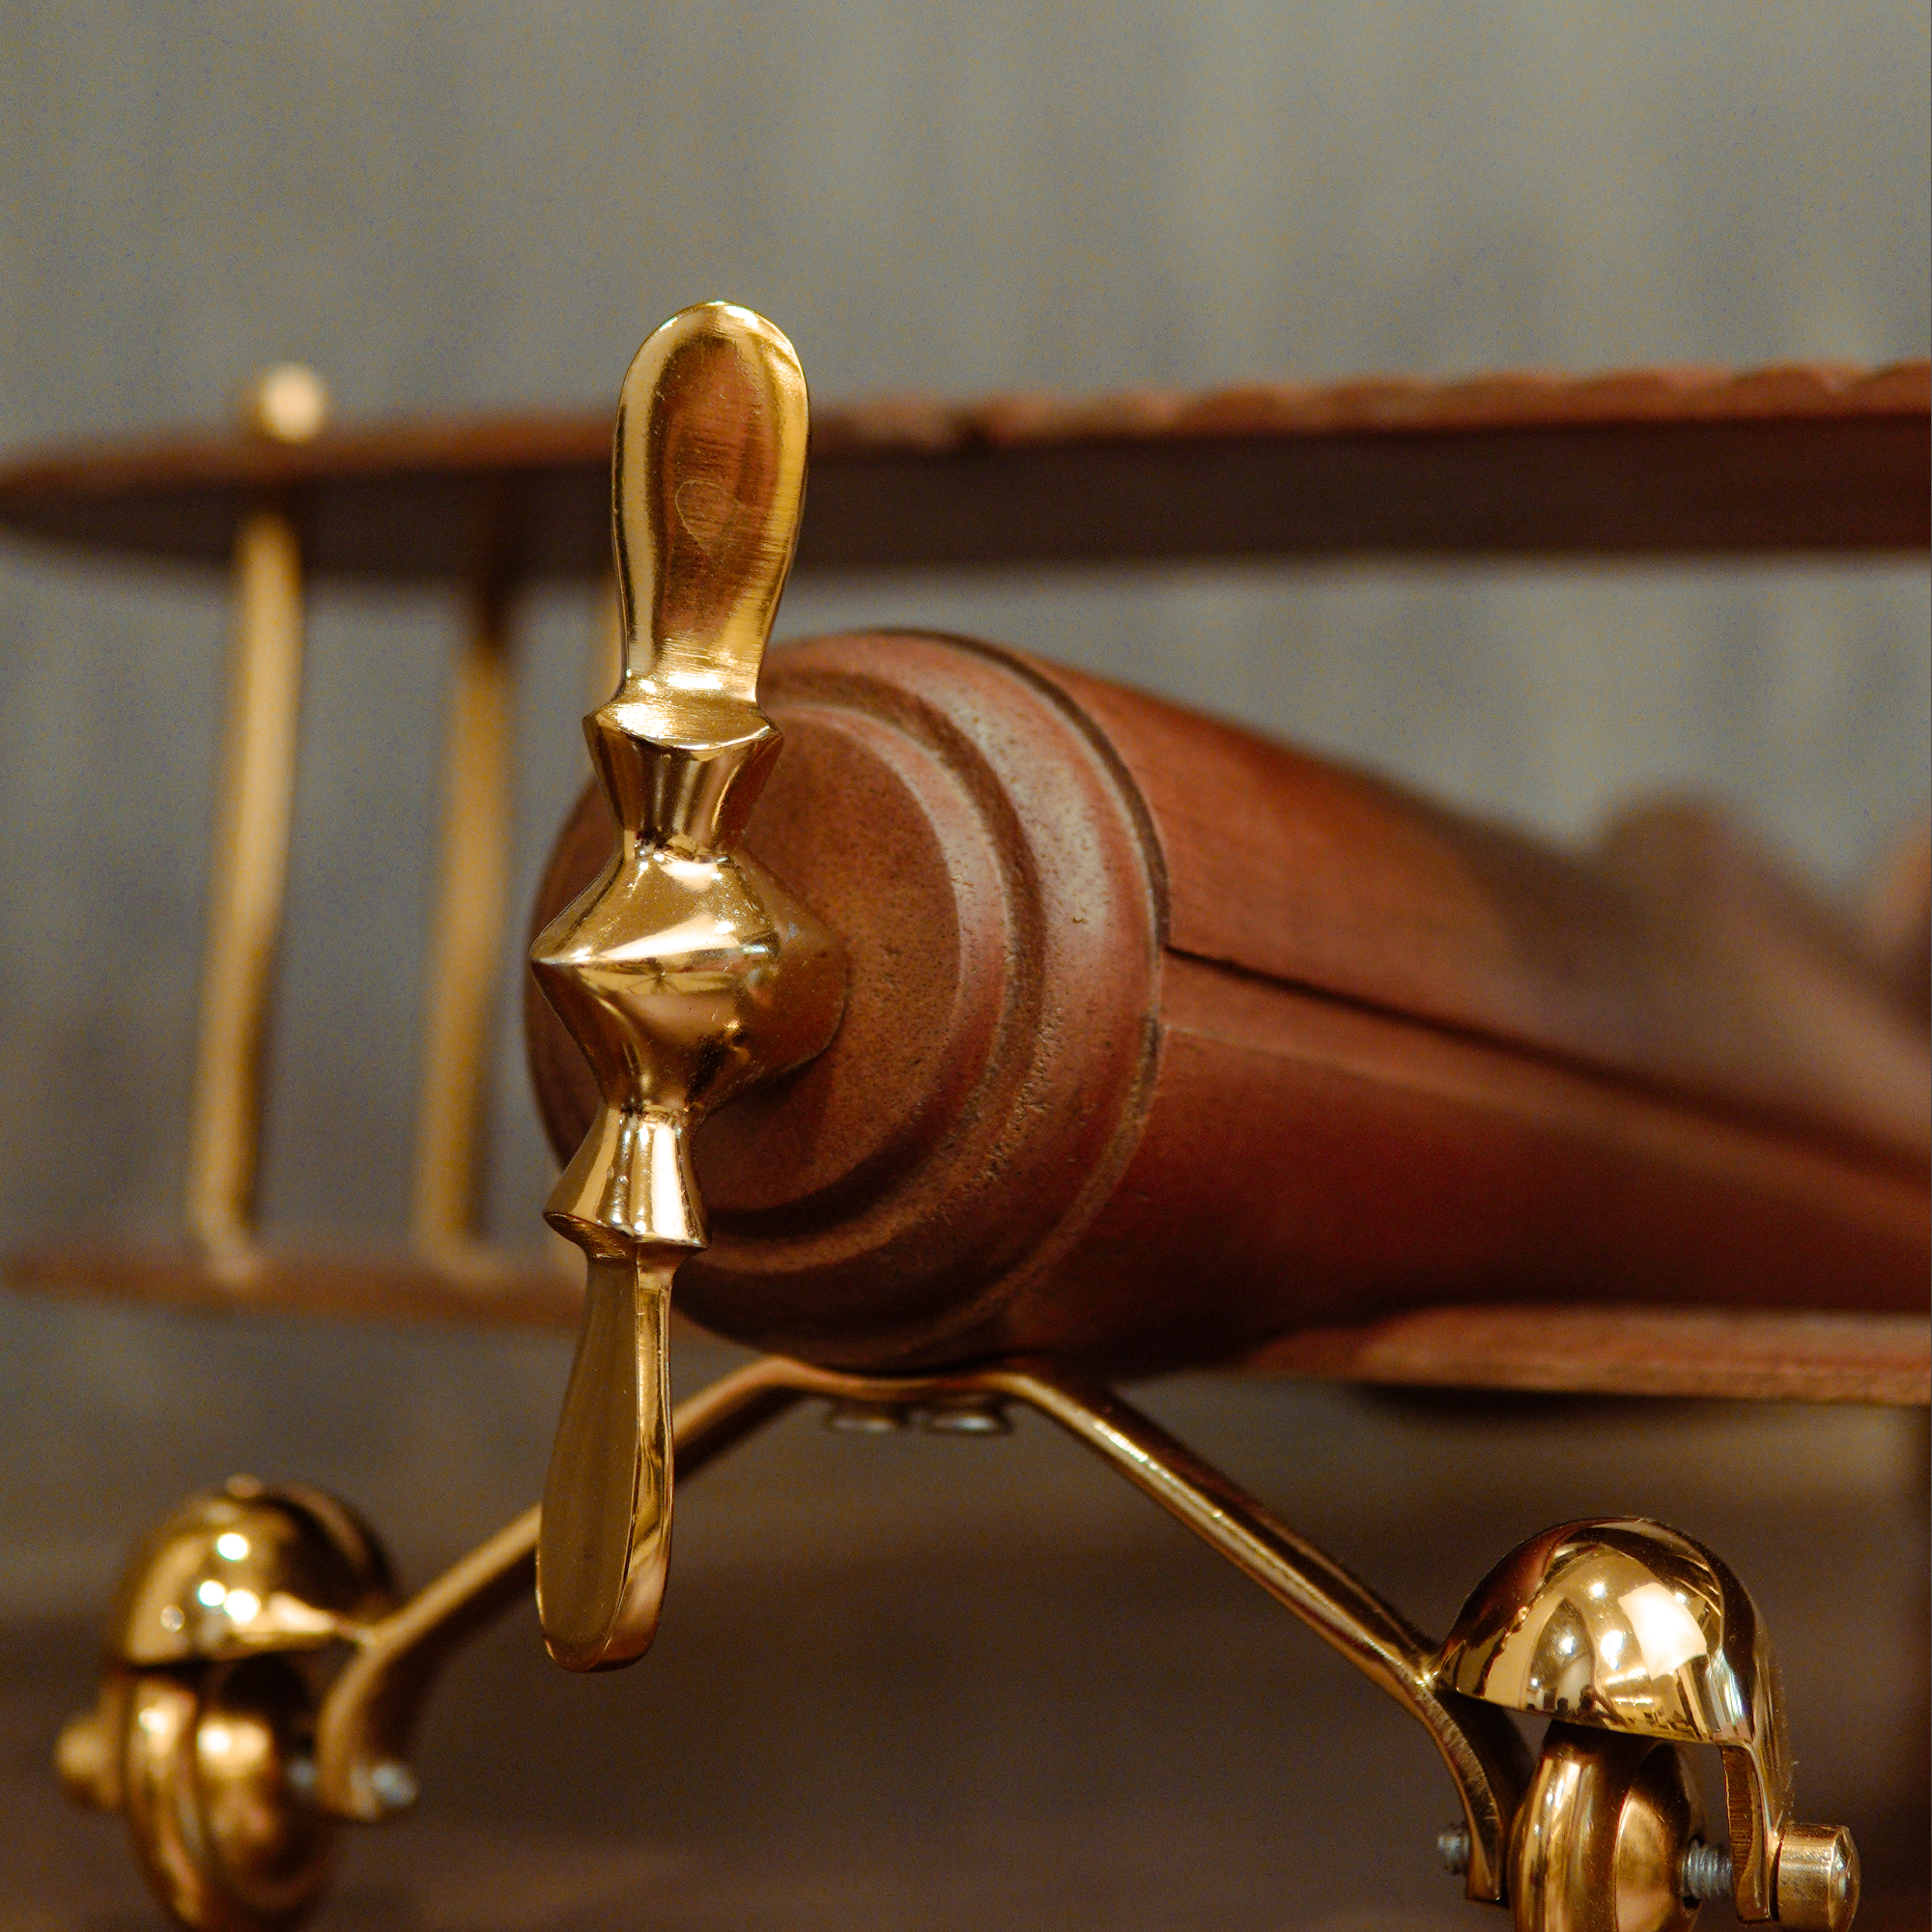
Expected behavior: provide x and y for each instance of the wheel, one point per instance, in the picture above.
(1598, 1842)
(216, 1776)
(203, 1737)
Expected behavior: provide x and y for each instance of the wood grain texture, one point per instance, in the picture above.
(982, 861)
(1805, 459)
(1698, 1353)
(1679, 959)
(1752, 1355)
(347, 1285)
(1306, 1162)
(1394, 1058)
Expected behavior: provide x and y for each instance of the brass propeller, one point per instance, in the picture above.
(686, 972)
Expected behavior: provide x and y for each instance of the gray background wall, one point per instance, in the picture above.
(460, 208)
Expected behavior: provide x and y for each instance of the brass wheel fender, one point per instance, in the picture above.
(1633, 1629)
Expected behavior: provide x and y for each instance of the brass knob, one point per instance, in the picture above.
(287, 401)
(1817, 1878)
(686, 972)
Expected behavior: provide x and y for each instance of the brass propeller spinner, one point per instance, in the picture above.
(686, 972)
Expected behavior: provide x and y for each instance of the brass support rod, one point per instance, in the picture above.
(254, 809)
(250, 869)
(368, 1714)
(461, 968)
(1484, 1753)
(370, 1711)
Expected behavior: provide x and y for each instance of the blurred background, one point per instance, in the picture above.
(911, 1684)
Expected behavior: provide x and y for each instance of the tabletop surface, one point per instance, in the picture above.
(937, 1685)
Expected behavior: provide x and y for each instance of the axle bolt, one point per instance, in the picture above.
(1707, 1871)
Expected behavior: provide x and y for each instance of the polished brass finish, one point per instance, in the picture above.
(87, 1753)
(1484, 1760)
(1817, 1878)
(687, 973)
(251, 841)
(367, 1715)
(211, 1743)
(1599, 1840)
(245, 1569)
(466, 926)
(203, 1734)
(288, 402)
(1603, 1834)
(210, 1790)
(363, 1733)
(1631, 1627)
(447, 1268)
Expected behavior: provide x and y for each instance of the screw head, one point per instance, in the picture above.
(968, 1415)
(864, 1418)
(394, 1784)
